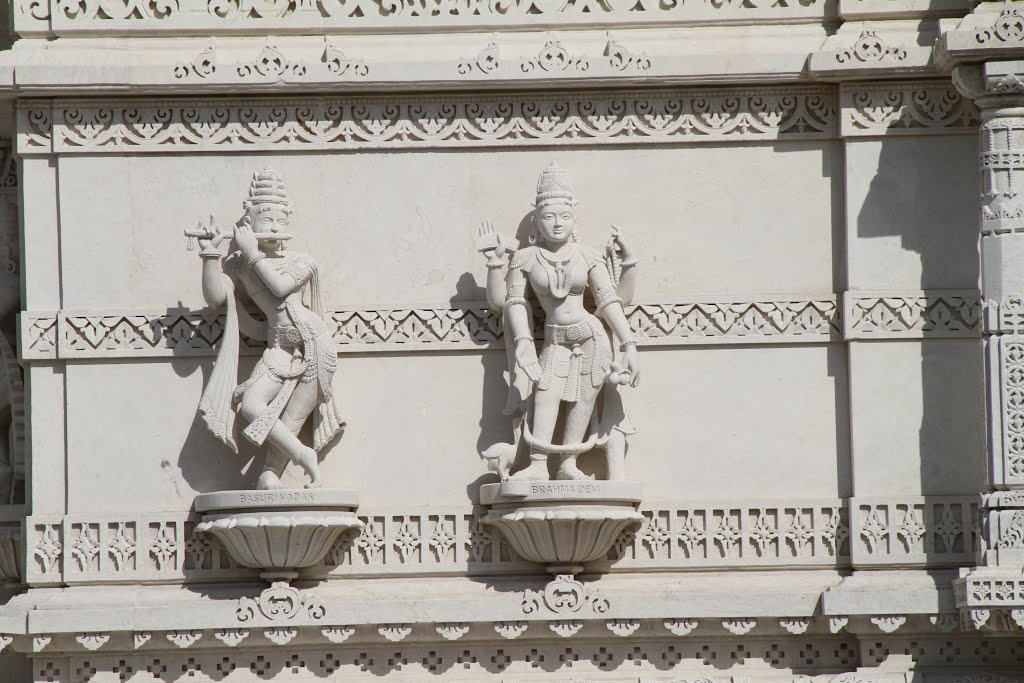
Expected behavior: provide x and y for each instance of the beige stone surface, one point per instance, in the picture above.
(824, 481)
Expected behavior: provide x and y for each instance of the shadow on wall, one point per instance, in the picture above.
(201, 449)
(495, 427)
(924, 192)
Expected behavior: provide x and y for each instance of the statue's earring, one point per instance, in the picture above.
(533, 235)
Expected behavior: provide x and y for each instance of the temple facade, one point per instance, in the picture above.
(647, 341)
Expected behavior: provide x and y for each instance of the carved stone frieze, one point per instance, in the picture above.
(871, 47)
(572, 658)
(564, 596)
(280, 602)
(202, 65)
(141, 333)
(270, 64)
(905, 108)
(1001, 161)
(555, 57)
(991, 32)
(914, 530)
(407, 122)
(486, 62)
(728, 535)
(991, 599)
(32, 17)
(866, 51)
(926, 314)
(231, 636)
(446, 540)
(1007, 412)
(337, 634)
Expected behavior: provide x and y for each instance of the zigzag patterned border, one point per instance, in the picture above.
(120, 333)
(176, 332)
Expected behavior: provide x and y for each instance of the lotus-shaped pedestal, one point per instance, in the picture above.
(279, 531)
(563, 524)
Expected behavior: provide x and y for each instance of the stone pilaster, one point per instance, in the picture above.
(986, 54)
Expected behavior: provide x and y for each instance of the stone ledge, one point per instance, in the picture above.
(514, 493)
(283, 499)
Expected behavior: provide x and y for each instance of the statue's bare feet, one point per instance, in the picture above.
(307, 460)
(568, 471)
(269, 481)
(537, 471)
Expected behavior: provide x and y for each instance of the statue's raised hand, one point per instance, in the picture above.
(487, 236)
(617, 243)
(246, 239)
(208, 236)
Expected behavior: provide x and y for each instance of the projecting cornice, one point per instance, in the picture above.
(286, 65)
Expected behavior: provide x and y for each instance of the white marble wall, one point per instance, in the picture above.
(812, 429)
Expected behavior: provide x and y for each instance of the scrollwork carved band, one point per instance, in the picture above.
(217, 16)
(382, 122)
(905, 108)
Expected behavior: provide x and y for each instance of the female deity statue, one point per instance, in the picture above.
(292, 379)
(576, 367)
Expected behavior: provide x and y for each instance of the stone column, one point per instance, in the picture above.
(985, 53)
(991, 596)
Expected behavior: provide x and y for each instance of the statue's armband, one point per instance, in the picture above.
(604, 296)
(300, 267)
(516, 295)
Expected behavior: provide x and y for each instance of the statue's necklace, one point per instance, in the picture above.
(559, 275)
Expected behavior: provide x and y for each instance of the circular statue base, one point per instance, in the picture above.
(562, 524)
(278, 531)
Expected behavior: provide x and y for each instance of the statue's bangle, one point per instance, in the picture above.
(255, 259)
(628, 263)
(607, 302)
(515, 301)
(494, 263)
(523, 337)
(210, 253)
(625, 344)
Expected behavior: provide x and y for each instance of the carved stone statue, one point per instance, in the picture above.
(292, 380)
(577, 375)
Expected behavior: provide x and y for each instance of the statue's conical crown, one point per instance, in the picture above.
(554, 183)
(267, 187)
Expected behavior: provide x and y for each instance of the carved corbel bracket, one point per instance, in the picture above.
(865, 50)
(991, 598)
(992, 84)
(993, 31)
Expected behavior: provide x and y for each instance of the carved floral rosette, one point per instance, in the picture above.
(562, 524)
(279, 531)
